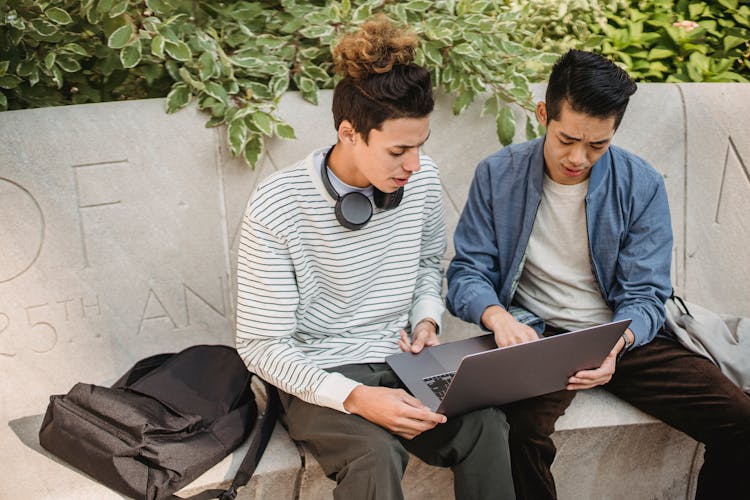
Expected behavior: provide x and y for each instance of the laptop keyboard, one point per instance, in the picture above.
(439, 383)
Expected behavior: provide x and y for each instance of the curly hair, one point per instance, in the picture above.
(380, 80)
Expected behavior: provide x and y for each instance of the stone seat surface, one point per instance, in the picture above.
(118, 236)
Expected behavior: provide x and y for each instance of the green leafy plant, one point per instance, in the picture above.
(683, 41)
(236, 59)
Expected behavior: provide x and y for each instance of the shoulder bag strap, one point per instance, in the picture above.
(254, 453)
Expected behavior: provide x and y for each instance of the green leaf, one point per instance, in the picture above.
(245, 61)
(207, 66)
(316, 31)
(729, 4)
(253, 149)
(9, 81)
(121, 36)
(49, 60)
(157, 46)
(285, 131)
(530, 129)
(317, 17)
(506, 126)
(263, 122)
(731, 42)
(657, 53)
(280, 85)
(432, 53)
(315, 73)
(463, 101)
(44, 28)
(3, 102)
(93, 16)
(130, 56)
(270, 43)
(179, 50)
(217, 92)
(59, 16)
(362, 12)
(178, 97)
(237, 135)
(4, 67)
(215, 121)
(464, 49)
(74, 48)
(187, 77)
(490, 107)
(400, 12)
(68, 64)
(307, 85)
(118, 8)
(160, 6)
(57, 77)
(695, 10)
(104, 5)
(417, 5)
(26, 68)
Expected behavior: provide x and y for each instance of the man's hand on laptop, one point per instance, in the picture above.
(507, 330)
(423, 335)
(586, 379)
(394, 409)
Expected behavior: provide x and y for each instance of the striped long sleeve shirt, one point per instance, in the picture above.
(314, 295)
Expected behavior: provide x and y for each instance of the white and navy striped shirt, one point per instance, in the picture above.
(313, 294)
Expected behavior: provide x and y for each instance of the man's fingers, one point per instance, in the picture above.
(403, 342)
(415, 410)
(409, 427)
(519, 335)
(417, 345)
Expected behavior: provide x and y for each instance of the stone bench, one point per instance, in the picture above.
(118, 235)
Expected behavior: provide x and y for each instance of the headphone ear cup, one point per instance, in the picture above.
(353, 210)
(388, 201)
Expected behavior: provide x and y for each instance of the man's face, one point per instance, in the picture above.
(574, 142)
(391, 155)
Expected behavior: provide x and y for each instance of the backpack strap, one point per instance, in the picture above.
(266, 424)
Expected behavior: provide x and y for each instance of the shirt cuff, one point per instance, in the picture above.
(334, 390)
(478, 303)
(427, 308)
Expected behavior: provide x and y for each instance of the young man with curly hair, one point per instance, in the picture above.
(339, 256)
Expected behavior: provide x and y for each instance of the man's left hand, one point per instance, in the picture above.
(586, 379)
(423, 335)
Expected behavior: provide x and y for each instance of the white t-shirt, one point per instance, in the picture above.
(557, 282)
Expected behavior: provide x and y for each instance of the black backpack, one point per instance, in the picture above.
(165, 422)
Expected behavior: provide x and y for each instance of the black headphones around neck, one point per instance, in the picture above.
(354, 209)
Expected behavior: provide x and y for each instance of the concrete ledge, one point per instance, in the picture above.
(121, 242)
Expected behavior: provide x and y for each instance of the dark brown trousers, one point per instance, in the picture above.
(662, 379)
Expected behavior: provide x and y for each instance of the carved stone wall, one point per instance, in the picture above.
(119, 227)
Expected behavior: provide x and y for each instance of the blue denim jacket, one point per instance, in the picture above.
(628, 223)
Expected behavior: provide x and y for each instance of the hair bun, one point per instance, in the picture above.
(375, 48)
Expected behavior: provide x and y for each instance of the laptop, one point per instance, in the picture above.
(459, 377)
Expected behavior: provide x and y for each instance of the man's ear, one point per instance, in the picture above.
(541, 113)
(346, 133)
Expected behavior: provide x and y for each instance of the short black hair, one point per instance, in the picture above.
(590, 84)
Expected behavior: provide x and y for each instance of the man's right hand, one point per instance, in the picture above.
(394, 409)
(507, 330)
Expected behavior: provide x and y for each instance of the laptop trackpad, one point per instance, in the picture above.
(450, 355)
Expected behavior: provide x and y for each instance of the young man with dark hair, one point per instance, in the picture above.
(577, 232)
(339, 255)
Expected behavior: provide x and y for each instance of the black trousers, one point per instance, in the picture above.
(368, 462)
(665, 380)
